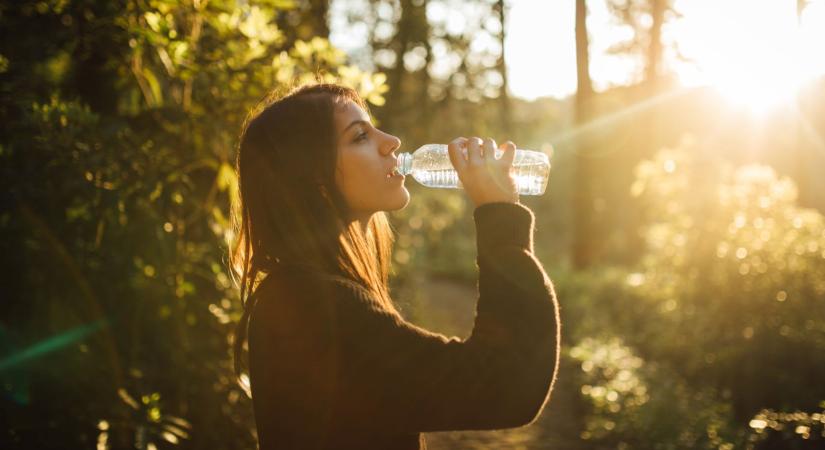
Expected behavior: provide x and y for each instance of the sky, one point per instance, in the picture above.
(739, 46)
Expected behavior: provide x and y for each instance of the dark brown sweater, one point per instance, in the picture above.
(330, 367)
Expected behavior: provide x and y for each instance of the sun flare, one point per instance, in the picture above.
(758, 86)
(757, 61)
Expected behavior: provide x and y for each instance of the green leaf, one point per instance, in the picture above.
(156, 192)
(153, 20)
(154, 85)
(226, 177)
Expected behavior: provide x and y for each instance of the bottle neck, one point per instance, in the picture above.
(405, 163)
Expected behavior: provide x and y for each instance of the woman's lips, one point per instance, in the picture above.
(395, 174)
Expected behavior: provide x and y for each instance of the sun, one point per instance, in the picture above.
(759, 85)
(758, 61)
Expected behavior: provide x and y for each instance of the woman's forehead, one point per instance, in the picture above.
(347, 112)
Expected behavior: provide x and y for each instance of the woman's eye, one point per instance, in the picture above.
(361, 137)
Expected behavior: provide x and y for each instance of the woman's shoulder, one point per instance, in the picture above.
(302, 280)
(297, 292)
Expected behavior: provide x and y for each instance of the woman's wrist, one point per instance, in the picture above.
(504, 223)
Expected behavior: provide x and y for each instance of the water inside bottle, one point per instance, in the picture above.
(530, 179)
(432, 168)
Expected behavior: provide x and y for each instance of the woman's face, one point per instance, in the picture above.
(366, 155)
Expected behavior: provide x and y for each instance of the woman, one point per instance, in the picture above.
(332, 364)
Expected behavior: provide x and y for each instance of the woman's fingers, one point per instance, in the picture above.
(489, 150)
(509, 153)
(456, 151)
(485, 178)
(474, 152)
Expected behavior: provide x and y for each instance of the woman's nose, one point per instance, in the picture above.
(392, 144)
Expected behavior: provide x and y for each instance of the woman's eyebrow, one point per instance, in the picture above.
(355, 122)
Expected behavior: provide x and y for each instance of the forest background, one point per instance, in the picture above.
(682, 226)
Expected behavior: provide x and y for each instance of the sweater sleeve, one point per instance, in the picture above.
(401, 377)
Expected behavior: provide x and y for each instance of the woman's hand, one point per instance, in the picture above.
(485, 178)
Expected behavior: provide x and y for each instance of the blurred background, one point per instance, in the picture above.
(682, 226)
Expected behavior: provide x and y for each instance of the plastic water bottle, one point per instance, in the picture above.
(430, 165)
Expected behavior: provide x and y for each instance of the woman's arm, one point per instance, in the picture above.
(396, 376)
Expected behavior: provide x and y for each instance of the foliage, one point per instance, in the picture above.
(119, 121)
(638, 404)
(789, 430)
(718, 317)
(116, 176)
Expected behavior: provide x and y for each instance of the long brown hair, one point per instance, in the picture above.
(288, 209)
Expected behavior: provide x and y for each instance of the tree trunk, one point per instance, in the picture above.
(318, 15)
(583, 238)
(312, 14)
(505, 109)
(654, 49)
(802, 167)
(401, 44)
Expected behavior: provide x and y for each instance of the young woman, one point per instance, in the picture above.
(332, 363)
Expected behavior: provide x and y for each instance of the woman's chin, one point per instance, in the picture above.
(402, 201)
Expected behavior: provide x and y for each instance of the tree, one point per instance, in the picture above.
(118, 136)
(645, 18)
(584, 237)
(302, 19)
(646, 40)
(504, 95)
(801, 170)
(412, 34)
(436, 65)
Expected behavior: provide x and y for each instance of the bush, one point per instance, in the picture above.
(719, 320)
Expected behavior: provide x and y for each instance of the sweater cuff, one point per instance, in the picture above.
(504, 223)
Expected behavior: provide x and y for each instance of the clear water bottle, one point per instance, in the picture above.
(430, 165)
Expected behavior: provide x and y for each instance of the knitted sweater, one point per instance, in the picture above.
(330, 367)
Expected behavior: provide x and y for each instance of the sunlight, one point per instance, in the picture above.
(755, 53)
(757, 86)
(758, 61)
(550, 72)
